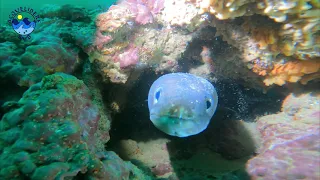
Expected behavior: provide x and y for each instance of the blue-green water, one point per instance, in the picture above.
(7, 6)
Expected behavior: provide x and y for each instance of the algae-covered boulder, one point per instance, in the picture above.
(55, 131)
(290, 141)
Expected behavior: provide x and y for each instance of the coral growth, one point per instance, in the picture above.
(266, 33)
(289, 29)
(129, 57)
(141, 11)
(293, 71)
(224, 9)
(101, 40)
(38, 60)
(263, 50)
(52, 133)
(178, 12)
(54, 47)
(142, 48)
(290, 141)
(113, 19)
(300, 22)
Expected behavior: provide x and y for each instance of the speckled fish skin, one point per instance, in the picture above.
(182, 104)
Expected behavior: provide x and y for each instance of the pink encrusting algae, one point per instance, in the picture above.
(129, 57)
(290, 141)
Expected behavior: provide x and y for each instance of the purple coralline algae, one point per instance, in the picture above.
(290, 141)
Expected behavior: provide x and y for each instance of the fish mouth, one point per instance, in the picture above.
(157, 116)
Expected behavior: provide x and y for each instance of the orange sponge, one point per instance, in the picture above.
(292, 71)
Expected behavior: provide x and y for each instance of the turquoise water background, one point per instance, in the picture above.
(6, 6)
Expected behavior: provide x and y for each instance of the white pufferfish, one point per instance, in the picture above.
(182, 104)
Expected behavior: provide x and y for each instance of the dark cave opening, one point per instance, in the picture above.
(235, 102)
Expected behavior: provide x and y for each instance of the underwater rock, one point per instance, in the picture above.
(180, 13)
(298, 23)
(25, 63)
(68, 12)
(130, 50)
(7, 34)
(58, 44)
(37, 61)
(233, 139)
(290, 141)
(53, 132)
(263, 36)
(264, 51)
(142, 12)
(162, 169)
(155, 46)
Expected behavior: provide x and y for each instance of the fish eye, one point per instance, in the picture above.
(157, 95)
(208, 102)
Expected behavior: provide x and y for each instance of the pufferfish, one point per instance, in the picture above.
(182, 104)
